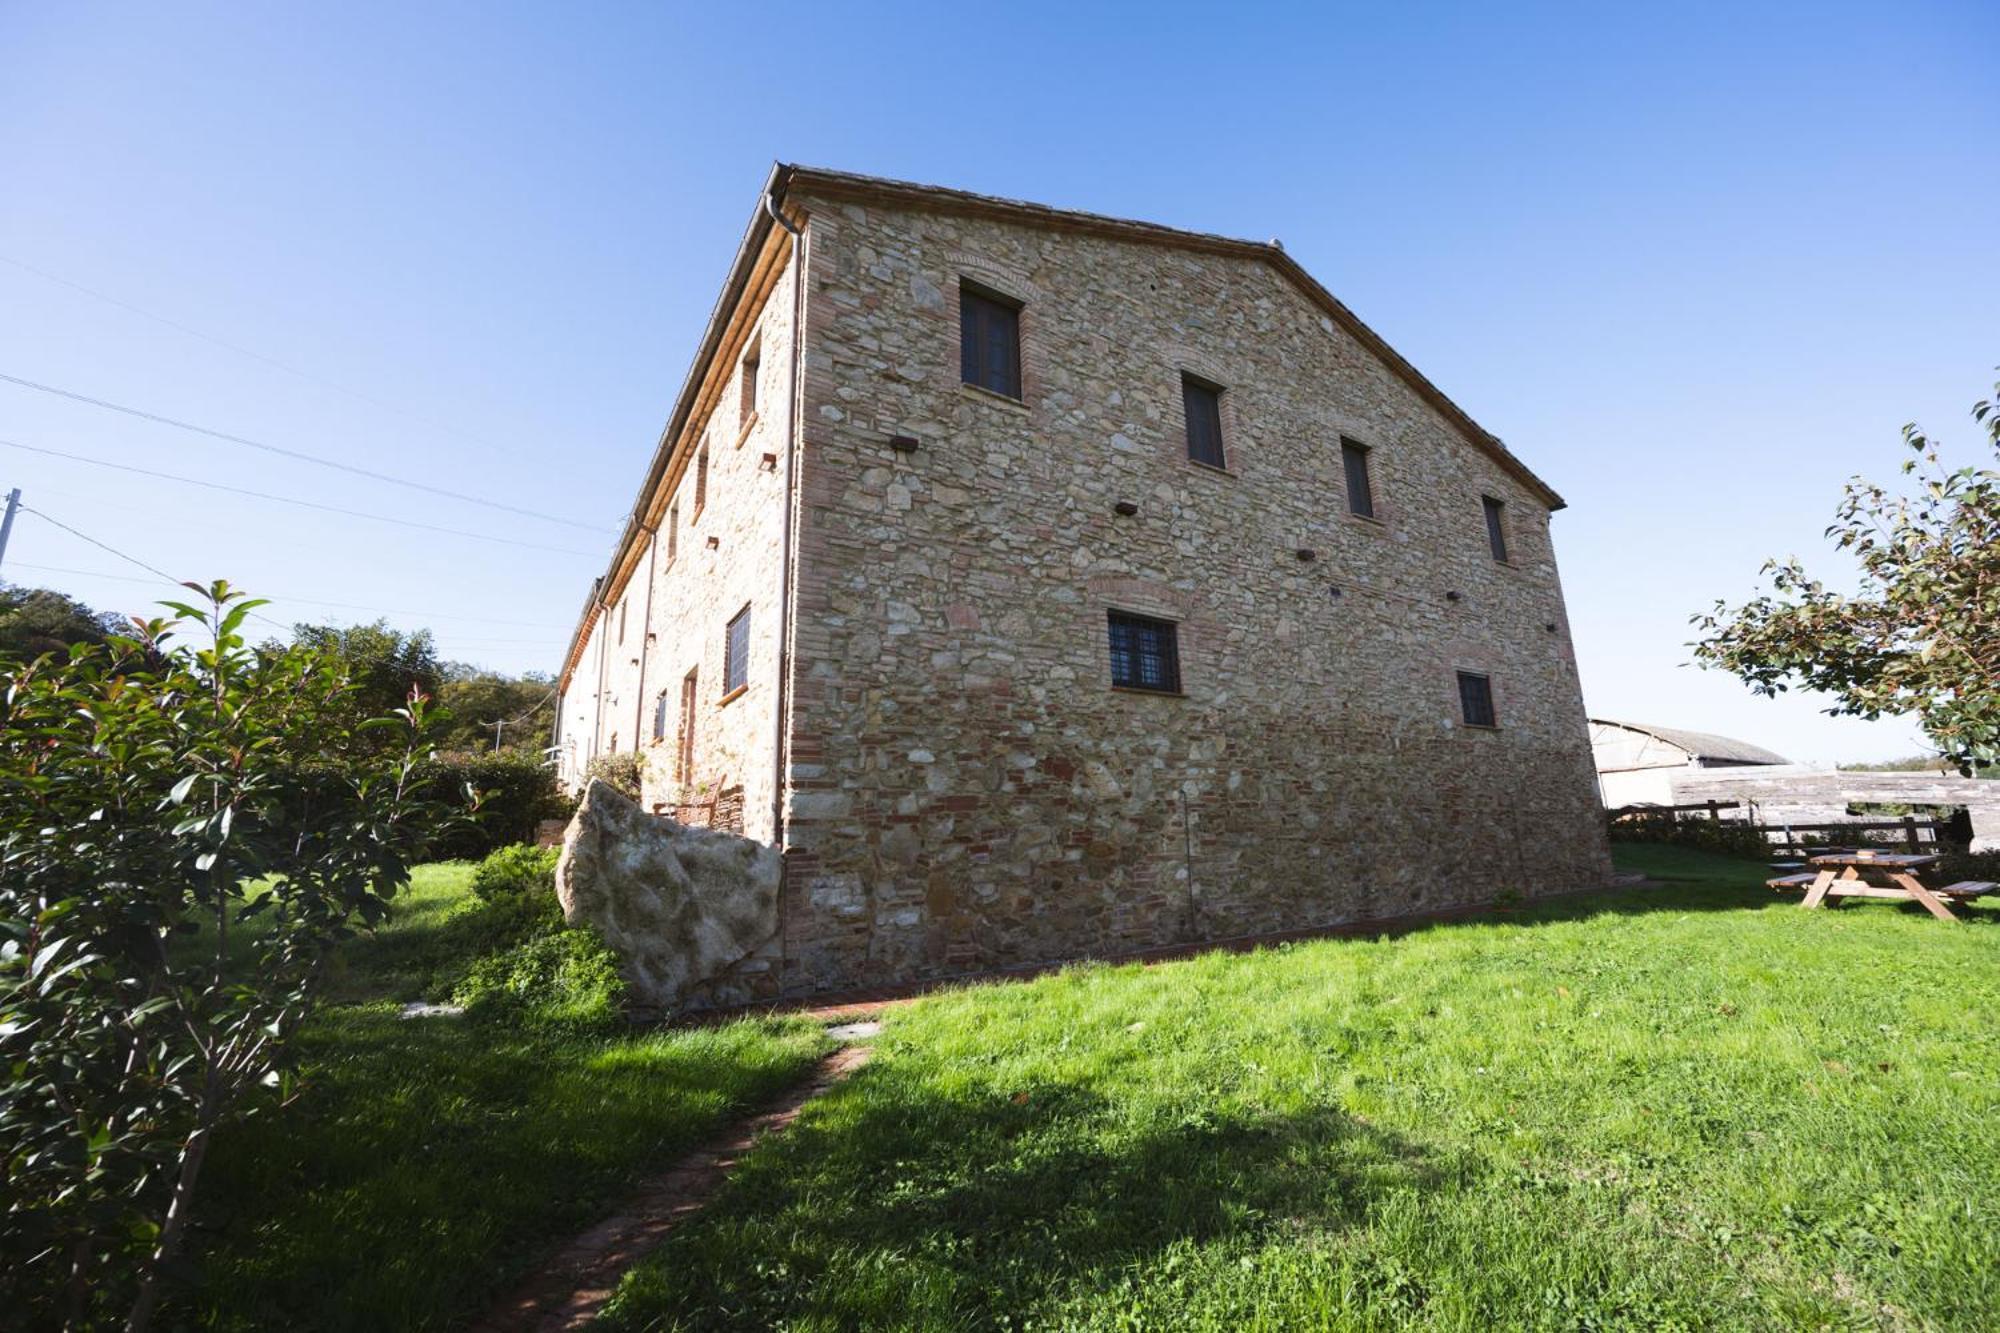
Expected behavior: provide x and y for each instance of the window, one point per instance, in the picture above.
(1360, 495)
(1144, 654)
(673, 530)
(660, 717)
(989, 340)
(1203, 402)
(736, 655)
(622, 601)
(1475, 699)
(701, 478)
(1496, 535)
(751, 360)
(684, 753)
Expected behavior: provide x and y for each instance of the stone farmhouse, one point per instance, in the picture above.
(1047, 585)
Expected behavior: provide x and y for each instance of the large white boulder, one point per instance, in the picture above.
(678, 905)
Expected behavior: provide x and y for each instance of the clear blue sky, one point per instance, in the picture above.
(1695, 264)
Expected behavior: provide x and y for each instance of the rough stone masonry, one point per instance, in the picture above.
(929, 718)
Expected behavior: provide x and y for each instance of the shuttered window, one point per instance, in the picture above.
(1496, 532)
(1360, 494)
(736, 654)
(1144, 653)
(1203, 402)
(989, 340)
(1475, 699)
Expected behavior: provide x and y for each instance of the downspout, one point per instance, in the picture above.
(781, 737)
(645, 641)
(598, 705)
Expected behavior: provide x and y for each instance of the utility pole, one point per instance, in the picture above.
(7, 523)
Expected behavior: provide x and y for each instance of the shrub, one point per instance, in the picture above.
(515, 793)
(1961, 864)
(517, 869)
(1709, 835)
(191, 826)
(622, 771)
(561, 980)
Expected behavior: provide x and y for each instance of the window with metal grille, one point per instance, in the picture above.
(684, 753)
(1475, 699)
(736, 655)
(1360, 494)
(1496, 532)
(660, 717)
(1144, 653)
(989, 340)
(1203, 402)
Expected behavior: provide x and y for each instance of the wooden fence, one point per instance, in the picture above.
(1905, 831)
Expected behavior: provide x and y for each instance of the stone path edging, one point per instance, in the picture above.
(570, 1289)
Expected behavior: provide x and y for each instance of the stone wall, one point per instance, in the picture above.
(969, 791)
(705, 564)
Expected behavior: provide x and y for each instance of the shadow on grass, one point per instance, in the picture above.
(430, 1162)
(904, 1204)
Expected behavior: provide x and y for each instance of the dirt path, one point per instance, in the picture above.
(571, 1288)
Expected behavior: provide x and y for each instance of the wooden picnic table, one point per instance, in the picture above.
(1863, 874)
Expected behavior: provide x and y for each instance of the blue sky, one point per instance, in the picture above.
(1696, 264)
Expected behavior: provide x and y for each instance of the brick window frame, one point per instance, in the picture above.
(1110, 594)
(1478, 704)
(1009, 284)
(1185, 364)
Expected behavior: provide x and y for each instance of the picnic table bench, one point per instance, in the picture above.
(1865, 874)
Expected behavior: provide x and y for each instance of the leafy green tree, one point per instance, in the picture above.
(1920, 636)
(474, 699)
(34, 621)
(190, 828)
(384, 664)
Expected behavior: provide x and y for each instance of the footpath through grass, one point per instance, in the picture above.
(1692, 1106)
(431, 1162)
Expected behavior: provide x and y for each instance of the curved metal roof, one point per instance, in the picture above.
(1702, 744)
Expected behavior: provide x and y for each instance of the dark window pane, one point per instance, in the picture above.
(736, 658)
(1360, 495)
(989, 342)
(1475, 699)
(1203, 403)
(1496, 536)
(660, 717)
(1144, 653)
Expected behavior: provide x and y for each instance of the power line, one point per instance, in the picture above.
(291, 453)
(240, 350)
(309, 601)
(183, 583)
(286, 499)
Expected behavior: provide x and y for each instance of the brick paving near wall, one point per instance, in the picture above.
(571, 1289)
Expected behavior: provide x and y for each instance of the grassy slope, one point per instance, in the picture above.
(431, 1161)
(1690, 1106)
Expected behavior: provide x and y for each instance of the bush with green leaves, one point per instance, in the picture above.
(516, 792)
(559, 980)
(518, 869)
(1698, 831)
(191, 826)
(623, 770)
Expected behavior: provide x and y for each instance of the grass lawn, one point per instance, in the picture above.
(432, 1161)
(1692, 1106)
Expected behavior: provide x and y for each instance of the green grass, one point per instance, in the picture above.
(431, 1162)
(1687, 1106)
